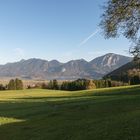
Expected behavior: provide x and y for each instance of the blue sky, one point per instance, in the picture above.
(54, 29)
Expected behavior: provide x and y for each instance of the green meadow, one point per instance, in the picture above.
(101, 114)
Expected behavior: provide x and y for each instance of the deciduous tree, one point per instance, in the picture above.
(123, 17)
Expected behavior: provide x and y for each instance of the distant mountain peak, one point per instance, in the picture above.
(22, 60)
(74, 69)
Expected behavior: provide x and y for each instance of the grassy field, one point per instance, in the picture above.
(103, 114)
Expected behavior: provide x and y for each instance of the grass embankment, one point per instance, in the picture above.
(103, 114)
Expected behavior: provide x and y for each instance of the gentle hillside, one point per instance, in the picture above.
(104, 114)
(74, 69)
(123, 71)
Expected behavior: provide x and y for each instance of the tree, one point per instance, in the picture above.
(64, 85)
(55, 84)
(90, 85)
(11, 85)
(18, 84)
(135, 51)
(15, 84)
(123, 17)
(44, 86)
(50, 85)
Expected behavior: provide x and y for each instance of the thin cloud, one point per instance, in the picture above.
(89, 37)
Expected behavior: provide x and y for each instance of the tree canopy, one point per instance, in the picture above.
(16, 84)
(122, 17)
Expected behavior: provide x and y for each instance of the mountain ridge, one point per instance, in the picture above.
(35, 68)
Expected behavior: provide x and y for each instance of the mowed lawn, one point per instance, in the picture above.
(103, 114)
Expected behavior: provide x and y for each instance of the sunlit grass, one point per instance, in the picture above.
(6, 120)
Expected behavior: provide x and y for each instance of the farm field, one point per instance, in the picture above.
(101, 114)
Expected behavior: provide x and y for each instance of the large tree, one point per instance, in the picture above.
(123, 17)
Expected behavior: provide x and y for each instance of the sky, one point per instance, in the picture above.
(54, 29)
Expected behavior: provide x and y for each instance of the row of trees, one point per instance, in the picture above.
(134, 76)
(53, 84)
(131, 77)
(80, 84)
(14, 84)
(108, 83)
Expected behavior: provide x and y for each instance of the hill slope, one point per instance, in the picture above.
(42, 69)
(119, 73)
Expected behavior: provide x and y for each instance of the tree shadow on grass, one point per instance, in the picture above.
(34, 117)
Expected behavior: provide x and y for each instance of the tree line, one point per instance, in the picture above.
(14, 84)
(80, 84)
(109, 83)
(132, 77)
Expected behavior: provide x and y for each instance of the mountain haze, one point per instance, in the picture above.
(43, 69)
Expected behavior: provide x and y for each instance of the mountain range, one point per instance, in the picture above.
(74, 69)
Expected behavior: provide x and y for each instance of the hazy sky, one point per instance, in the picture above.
(54, 29)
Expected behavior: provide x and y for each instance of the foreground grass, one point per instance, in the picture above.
(104, 114)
